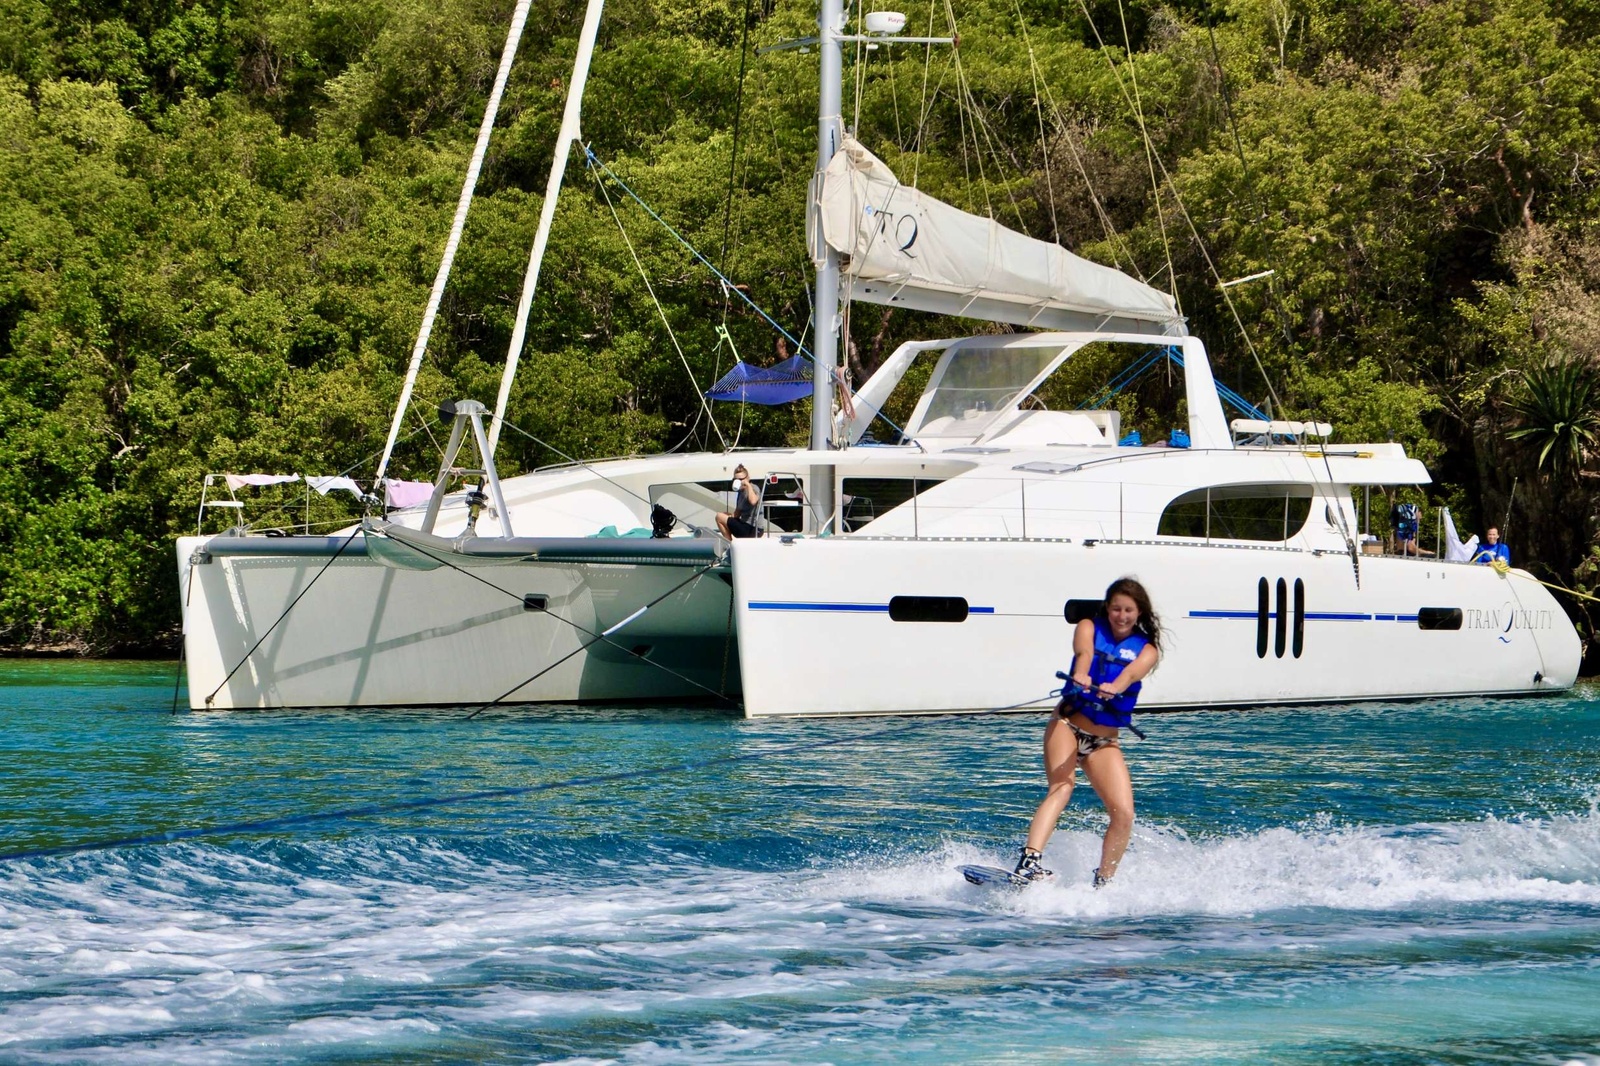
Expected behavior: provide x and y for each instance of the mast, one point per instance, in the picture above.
(825, 346)
(570, 131)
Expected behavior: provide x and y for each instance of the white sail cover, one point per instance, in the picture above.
(902, 247)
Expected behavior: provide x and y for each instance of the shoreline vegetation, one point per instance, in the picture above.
(219, 223)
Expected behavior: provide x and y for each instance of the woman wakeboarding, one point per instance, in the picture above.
(1111, 654)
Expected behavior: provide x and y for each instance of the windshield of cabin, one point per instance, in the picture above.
(978, 384)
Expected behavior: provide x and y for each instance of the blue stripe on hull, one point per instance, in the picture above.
(846, 608)
(837, 608)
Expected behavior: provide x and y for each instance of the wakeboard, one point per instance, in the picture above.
(993, 875)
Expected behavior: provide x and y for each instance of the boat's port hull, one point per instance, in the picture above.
(356, 633)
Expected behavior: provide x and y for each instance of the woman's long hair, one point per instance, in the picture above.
(1149, 623)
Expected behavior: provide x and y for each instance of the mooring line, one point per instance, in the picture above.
(259, 825)
(285, 614)
(177, 682)
(604, 636)
(1503, 568)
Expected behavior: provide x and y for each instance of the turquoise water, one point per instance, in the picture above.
(1376, 883)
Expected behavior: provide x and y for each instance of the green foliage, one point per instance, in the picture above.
(1558, 412)
(1363, 407)
(219, 223)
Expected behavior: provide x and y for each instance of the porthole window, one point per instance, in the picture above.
(1078, 610)
(928, 609)
(1439, 618)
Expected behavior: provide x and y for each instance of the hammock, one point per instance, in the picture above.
(787, 381)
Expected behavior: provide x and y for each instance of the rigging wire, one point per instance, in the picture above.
(604, 635)
(309, 585)
(427, 428)
(597, 162)
(894, 98)
(980, 126)
(1183, 210)
(1244, 165)
(660, 311)
(1038, 110)
(1227, 104)
(967, 99)
(800, 348)
(1119, 247)
(1149, 148)
(858, 76)
(961, 118)
(924, 107)
(581, 464)
(733, 150)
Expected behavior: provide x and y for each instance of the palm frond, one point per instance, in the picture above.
(1556, 409)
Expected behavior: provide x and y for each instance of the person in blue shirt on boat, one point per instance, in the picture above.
(1492, 549)
(1111, 654)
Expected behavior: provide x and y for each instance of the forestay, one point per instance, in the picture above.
(905, 248)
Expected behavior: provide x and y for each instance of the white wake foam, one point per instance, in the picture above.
(1168, 871)
(148, 950)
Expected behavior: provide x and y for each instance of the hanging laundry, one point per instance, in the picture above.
(399, 493)
(239, 481)
(326, 485)
(1455, 549)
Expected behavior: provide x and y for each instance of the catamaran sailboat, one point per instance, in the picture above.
(942, 572)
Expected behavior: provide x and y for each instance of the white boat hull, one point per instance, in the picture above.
(809, 601)
(367, 635)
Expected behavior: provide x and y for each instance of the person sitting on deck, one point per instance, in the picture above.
(1492, 549)
(1407, 519)
(741, 521)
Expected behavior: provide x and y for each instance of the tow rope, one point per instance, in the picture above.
(260, 825)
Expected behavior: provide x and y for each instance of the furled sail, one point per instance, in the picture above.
(902, 247)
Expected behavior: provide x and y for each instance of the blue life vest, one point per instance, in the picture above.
(1111, 657)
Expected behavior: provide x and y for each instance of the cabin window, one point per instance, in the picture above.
(977, 384)
(697, 503)
(867, 498)
(1238, 512)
